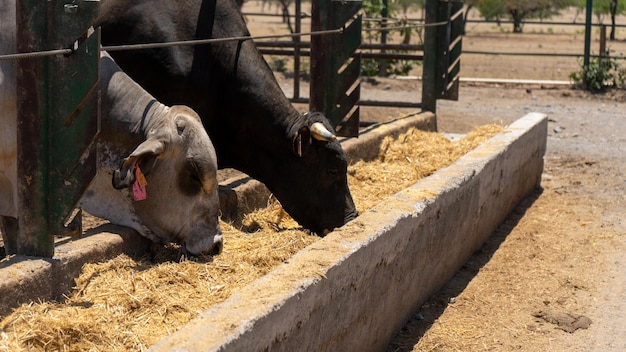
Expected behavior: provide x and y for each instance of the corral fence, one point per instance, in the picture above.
(57, 118)
(596, 45)
(382, 50)
(438, 50)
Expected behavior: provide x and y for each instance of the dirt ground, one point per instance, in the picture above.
(560, 255)
(553, 276)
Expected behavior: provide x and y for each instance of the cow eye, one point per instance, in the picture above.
(190, 179)
(194, 172)
(333, 172)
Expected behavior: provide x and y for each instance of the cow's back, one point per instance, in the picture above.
(8, 111)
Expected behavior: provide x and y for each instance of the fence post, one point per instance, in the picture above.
(33, 237)
(57, 117)
(442, 52)
(382, 69)
(603, 40)
(588, 13)
(336, 63)
(431, 57)
(296, 51)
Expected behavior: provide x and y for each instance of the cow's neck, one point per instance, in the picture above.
(127, 104)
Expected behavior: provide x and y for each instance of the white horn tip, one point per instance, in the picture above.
(321, 133)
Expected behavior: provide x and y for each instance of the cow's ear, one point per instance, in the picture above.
(145, 154)
(301, 141)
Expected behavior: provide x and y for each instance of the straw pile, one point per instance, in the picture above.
(131, 303)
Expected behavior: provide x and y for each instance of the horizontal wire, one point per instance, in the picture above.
(37, 54)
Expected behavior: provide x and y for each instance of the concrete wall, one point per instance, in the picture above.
(357, 286)
(25, 279)
(354, 288)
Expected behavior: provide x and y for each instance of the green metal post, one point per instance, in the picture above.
(57, 117)
(72, 106)
(33, 237)
(442, 52)
(588, 14)
(296, 51)
(430, 64)
(382, 69)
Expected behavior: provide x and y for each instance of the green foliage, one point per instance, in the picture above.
(520, 10)
(371, 67)
(602, 8)
(373, 10)
(278, 64)
(600, 74)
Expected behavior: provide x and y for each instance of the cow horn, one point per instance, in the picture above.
(321, 133)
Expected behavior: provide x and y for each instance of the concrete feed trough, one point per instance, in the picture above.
(359, 284)
(356, 286)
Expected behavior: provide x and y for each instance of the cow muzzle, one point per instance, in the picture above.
(207, 246)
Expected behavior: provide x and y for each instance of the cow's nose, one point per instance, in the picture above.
(211, 245)
(217, 247)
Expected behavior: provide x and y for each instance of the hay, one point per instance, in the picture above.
(402, 162)
(131, 303)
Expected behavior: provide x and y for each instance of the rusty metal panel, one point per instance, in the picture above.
(343, 11)
(333, 58)
(32, 164)
(454, 43)
(57, 117)
(345, 103)
(352, 70)
(73, 106)
(350, 40)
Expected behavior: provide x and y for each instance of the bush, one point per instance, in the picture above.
(278, 64)
(603, 72)
(371, 67)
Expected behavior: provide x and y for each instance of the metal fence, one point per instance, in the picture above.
(560, 62)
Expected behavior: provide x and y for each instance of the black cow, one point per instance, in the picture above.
(252, 124)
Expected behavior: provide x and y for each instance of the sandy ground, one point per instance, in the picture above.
(560, 255)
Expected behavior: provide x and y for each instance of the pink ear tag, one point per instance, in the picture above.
(139, 186)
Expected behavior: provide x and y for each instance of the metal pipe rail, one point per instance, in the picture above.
(69, 51)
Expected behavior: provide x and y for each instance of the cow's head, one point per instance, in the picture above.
(318, 173)
(180, 166)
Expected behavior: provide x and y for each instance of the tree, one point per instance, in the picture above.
(602, 8)
(520, 10)
(469, 4)
(374, 10)
(286, 17)
(611, 8)
(615, 7)
(406, 5)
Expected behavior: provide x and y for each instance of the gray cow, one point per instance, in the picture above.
(174, 151)
(169, 144)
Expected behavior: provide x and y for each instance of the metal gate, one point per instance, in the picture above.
(335, 58)
(57, 106)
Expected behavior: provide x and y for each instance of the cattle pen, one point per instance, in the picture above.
(68, 107)
(426, 230)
